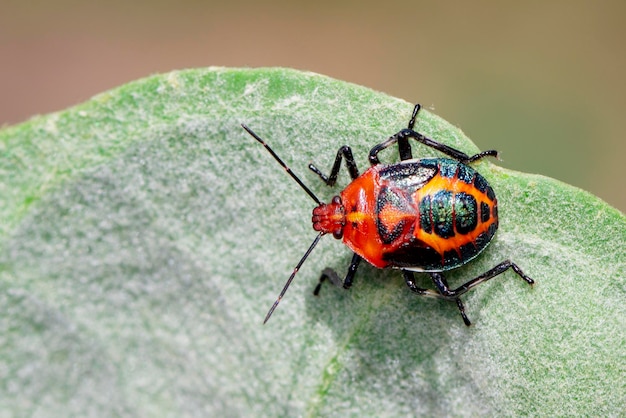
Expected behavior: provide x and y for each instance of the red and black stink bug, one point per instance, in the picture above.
(420, 215)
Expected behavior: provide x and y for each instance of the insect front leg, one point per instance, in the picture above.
(343, 152)
(330, 274)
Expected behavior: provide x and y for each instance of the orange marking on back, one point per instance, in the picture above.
(452, 184)
(391, 217)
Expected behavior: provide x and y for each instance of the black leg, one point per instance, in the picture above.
(444, 292)
(402, 139)
(416, 110)
(497, 270)
(344, 152)
(404, 148)
(409, 278)
(459, 305)
(410, 281)
(330, 274)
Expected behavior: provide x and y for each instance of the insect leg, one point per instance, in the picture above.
(409, 278)
(497, 270)
(444, 289)
(404, 134)
(334, 278)
(404, 148)
(410, 281)
(416, 110)
(344, 152)
(402, 137)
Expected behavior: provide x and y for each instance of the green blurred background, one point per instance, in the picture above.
(541, 81)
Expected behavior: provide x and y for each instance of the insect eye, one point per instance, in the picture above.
(337, 200)
(338, 233)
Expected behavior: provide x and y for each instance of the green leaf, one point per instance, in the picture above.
(144, 235)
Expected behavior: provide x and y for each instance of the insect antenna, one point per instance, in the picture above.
(311, 194)
(282, 163)
(293, 274)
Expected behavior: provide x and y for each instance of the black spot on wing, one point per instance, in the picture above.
(388, 199)
(480, 183)
(415, 254)
(441, 208)
(468, 251)
(485, 212)
(465, 212)
(465, 173)
(426, 223)
(409, 175)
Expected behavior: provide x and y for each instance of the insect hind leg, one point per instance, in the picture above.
(409, 278)
(490, 274)
(445, 291)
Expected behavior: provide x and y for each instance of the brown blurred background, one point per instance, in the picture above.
(542, 81)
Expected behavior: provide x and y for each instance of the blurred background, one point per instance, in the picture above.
(541, 81)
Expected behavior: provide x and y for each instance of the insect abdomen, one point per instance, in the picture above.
(456, 217)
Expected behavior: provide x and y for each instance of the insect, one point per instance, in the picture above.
(424, 215)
